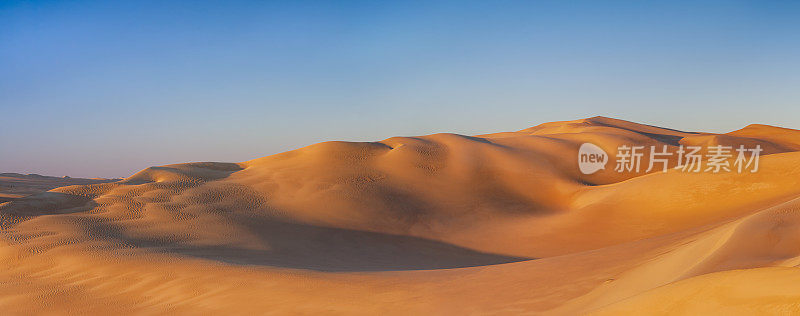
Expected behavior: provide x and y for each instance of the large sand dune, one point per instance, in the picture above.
(500, 223)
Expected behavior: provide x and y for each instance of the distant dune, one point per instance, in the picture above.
(15, 185)
(500, 223)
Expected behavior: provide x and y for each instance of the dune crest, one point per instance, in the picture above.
(445, 223)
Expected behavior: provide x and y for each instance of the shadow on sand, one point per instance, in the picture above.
(300, 246)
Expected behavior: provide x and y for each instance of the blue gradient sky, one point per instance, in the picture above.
(104, 89)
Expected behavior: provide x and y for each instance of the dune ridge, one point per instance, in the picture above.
(500, 223)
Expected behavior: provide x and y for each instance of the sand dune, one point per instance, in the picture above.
(500, 223)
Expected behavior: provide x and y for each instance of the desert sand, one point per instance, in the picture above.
(448, 224)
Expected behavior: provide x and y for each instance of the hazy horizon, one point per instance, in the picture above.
(92, 89)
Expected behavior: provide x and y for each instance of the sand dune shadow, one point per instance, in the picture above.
(301, 246)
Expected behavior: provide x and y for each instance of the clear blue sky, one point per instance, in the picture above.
(106, 88)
